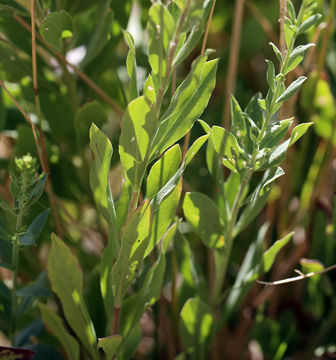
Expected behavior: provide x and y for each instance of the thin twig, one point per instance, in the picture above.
(283, 13)
(101, 93)
(45, 161)
(233, 60)
(208, 27)
(27, 117)
(296, 278)
(263, 21)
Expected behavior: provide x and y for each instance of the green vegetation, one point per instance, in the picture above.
(167, 223)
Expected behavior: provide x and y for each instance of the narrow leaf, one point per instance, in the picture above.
(307, 24)
(139, 126)
(131, 66)
(270, 75)
(292, 89)
(66, 281)
(37, 191)
(34, 230)
(277, 52)
(299, 131)
(187, 105)
(55, 325)
(161, 28)
(297, 56)
(134, 242)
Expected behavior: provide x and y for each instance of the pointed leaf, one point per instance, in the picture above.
(131, 66)
(161, 28)
(66, 281)
(139, 126)
(37, 191)
(134, 242)
(291, 90)
(297, 56)
(149, 90)
(299, 131)
(270, 75)
(35, 229)
(194, 148)
(187, 105)
(275, 132)
(55, 326)
(110, 344)
(277, 52)
(307, 24)
(203, 215)
(163, 170)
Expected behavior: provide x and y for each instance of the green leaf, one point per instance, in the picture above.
(296, 57)
(226, 146)
(254, 111)
(163, 170)
(134, 306)
(291, 90)
(134, 242)
(139, 126)
(37, 288)
(37, 191)
(238, 125)
(187, 105)
(307, 24)
(270, 254)
(34, 230)
(149, 90)
(270, 75)
(203, 215)
(101, 34)
(131, 66)
(100, 177)
(163, 216)
(90, 112)
(299, 131)
(246, 276)
(289, 30)
(194, 148)
(53, 27)
(275, 132)
(277, 52)
(213, 162)
(66, 281)
(55, 326)
(110, 344)
(291, 11)
(196, 327)
(161, 28)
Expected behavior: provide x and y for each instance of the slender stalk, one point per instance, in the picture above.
(233, 60)
(45, 161)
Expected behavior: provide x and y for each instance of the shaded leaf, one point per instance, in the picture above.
(35, 229)
(66, 281)
(131, 66)
(196, 327)
(203, 215)
(56, 26)
(55, 326)
(110, 344)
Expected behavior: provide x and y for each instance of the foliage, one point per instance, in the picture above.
(163, 222)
